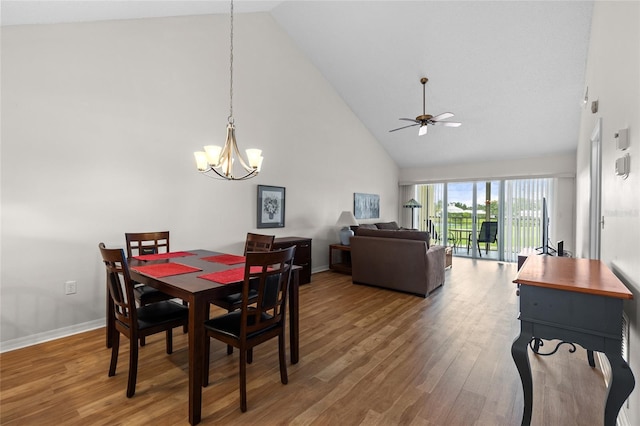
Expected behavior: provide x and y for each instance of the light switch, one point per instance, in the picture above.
(622, 139)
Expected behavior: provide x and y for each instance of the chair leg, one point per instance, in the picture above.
(142, 341)
(169, 341)
(133, 367)
(115, 346)
(207, 356)
(250, 356)
(243, 380)
(283, 362)
(229, 347)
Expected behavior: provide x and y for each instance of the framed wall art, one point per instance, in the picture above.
(366, 206)
(270, 206)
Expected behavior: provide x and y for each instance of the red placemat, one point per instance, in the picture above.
(163, 255)
(160, 270)
(227, 259)
(230, 275)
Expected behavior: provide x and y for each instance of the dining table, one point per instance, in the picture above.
(198, 292)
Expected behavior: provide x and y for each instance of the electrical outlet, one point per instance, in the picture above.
(70, 287)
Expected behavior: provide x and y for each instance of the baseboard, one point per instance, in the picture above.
(34, 339)
(605, 367)
(320, 269)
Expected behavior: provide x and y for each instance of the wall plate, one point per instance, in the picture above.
(622, 166)
(622, 139)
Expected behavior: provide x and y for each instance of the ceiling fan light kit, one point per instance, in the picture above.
(425, 119)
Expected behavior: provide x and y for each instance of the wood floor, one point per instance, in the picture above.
(368, 357)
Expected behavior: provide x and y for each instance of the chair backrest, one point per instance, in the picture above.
(120, 285)
(488, 232)
(258, 242)
(140, 243)
(269, 273)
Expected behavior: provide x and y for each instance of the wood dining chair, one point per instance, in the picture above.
(253, 243)
(141, 243)
(133, 322)
(258, 242)
(258, 321)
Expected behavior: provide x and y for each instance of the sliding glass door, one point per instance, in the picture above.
(485, 219)
(472, 218)
(459, 211)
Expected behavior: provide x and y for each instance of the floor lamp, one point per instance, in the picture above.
(412, 204)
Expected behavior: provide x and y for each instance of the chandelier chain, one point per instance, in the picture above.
(231, 68)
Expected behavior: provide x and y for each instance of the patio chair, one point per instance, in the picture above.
(488, 235)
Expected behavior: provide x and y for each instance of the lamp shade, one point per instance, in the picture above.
(346, 219)
(412, 204)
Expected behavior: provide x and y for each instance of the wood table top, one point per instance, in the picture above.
(579, 275)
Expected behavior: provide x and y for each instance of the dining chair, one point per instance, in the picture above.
(253, 243)
(488, 234)
(141, 243)
(258, 242)
(134, 322)
(258, 321)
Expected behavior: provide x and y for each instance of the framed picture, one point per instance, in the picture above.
(270, 206)
(366, 206)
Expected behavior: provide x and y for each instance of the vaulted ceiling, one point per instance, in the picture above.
(511, 71)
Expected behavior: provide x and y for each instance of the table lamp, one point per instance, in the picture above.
(346, 220)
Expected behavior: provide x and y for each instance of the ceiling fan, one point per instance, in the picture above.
(424, 119)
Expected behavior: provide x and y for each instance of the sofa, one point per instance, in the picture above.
(397, 259)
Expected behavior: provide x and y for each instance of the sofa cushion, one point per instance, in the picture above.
(386, 233)
(367, 226)
(388, 225)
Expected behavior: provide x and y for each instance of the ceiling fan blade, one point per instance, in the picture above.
(400, 128)
(442, 116)
(448, 123)
(409, 119)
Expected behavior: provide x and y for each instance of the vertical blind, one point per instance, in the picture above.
(523, 214)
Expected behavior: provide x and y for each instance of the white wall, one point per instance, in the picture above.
(99, 125)
(544, 166)
(613, 77)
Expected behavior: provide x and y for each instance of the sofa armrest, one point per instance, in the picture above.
(435, 267)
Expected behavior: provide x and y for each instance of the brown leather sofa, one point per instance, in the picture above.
(398, 260)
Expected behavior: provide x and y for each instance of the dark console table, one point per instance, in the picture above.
(301, 258)
(575, 301)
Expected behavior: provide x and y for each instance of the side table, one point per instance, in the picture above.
(344, 263)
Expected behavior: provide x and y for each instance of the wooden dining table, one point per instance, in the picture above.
(199, 292)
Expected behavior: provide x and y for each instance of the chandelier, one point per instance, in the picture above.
(222, 160)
